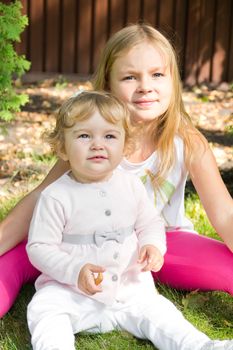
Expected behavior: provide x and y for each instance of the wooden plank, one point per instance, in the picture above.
(68, 36)
(219, 67)
(52, 37)
(117, 16)
(133, 11)
(150, 9)
(230, 54)
(21, 47)
(63, 36)
(192, 42)
(100, 30)
(36, 40)
(166, 19)
(84, 37)
(180, 32)
(206, 41)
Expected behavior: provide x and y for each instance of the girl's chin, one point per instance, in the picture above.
(143, 116)
(139, 119)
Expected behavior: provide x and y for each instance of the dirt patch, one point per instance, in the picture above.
(22, 151)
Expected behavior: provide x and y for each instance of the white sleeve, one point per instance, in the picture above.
(150, 227)
(44, 242)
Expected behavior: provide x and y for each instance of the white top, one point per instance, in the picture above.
(67, 208)
(169, 199)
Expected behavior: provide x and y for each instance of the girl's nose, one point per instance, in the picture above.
(144, 86)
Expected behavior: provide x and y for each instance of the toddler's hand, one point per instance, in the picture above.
(86, 279)
(150, 255)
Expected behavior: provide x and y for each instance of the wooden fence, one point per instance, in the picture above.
(66, 36)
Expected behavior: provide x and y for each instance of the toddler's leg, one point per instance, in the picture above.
(49, 323)
(164, 325)
(56, 313)
(196, 262)
(15, 270)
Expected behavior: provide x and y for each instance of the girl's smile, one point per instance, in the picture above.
(142, 80)
(145, 103)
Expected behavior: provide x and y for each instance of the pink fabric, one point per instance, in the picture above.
(15, 270)
(191, 262)
(196, 262)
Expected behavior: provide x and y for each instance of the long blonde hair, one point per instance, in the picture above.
(175, 121)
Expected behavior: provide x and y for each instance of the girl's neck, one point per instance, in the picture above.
(142, 145)
(139, 155)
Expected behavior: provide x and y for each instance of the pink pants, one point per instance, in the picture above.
(195, 262)
(192, 262)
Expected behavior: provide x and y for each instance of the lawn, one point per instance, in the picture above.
(24, 161)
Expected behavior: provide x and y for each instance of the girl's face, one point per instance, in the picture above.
(141, 79)
(94, 148)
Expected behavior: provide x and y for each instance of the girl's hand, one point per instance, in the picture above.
(150, 255)
(87, 279)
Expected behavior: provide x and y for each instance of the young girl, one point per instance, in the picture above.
(98, 219)
(139, 66)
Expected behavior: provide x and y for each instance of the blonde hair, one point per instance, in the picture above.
(81, 107)
(175, 120)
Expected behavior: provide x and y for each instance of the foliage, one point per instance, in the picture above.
(12, 23)
(195, 211)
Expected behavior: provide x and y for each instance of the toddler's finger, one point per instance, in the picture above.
(157, 266)
(96, 268)
(142, 256)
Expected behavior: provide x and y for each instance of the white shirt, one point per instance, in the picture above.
(169, 198)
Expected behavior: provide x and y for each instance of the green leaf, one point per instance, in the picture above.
(6, 115)
(12, 23)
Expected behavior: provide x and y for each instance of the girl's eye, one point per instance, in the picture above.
(83, 136)
(129, 77)
(158, 75)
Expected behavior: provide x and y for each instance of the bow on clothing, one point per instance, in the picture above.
(100, 237)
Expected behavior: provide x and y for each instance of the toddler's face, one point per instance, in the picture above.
(141, 79)
(94, 148)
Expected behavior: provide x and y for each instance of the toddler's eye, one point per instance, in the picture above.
(83, 136)
(110, 136)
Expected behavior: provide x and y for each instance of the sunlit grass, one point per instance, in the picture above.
(196, 212)
(211, 312)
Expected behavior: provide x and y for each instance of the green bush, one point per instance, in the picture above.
(12, 24)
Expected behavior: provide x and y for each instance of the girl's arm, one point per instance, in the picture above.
(14, 228)
(212, 191)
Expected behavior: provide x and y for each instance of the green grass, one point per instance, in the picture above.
(211, 312)
(196, 212)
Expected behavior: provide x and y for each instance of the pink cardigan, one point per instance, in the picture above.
(67, 207)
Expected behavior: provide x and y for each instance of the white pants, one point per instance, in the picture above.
(55, 314)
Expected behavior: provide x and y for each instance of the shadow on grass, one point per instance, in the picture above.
(227, 179)
(37, 104)
(219, 137)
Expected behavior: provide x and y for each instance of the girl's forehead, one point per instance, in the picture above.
(142, 54)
